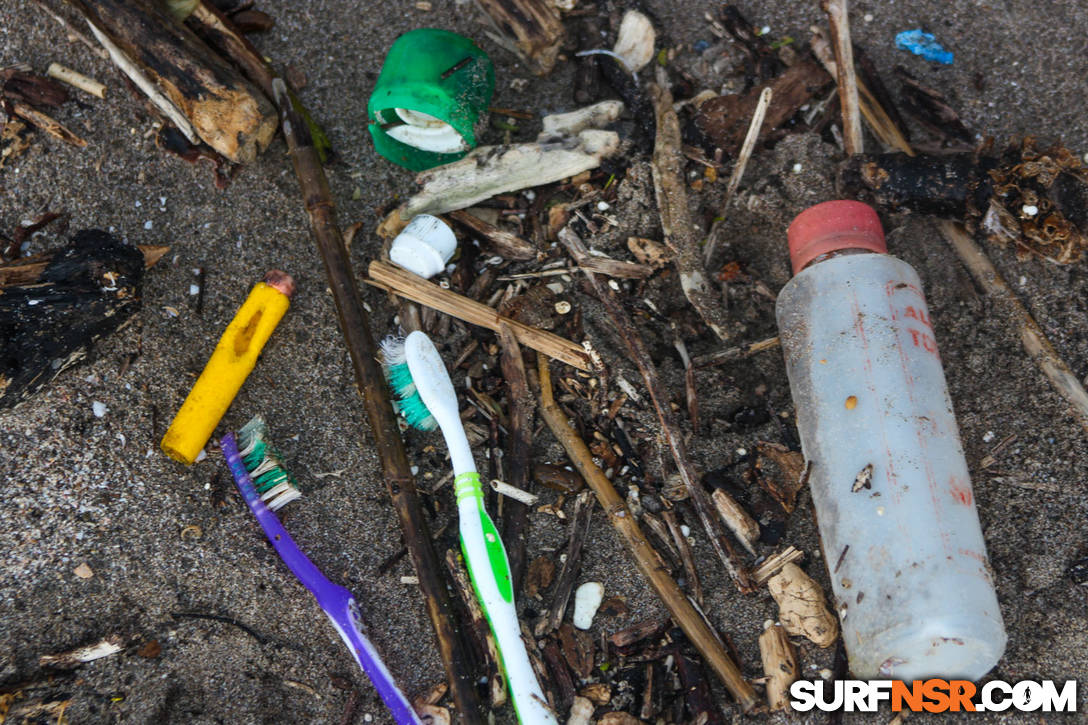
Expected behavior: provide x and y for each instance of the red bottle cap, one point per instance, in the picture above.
(832, 226)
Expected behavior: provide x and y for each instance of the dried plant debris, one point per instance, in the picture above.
(88, 290)
(802, 608)
(1034, 198)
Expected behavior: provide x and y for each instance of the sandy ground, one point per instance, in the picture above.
(81, 489)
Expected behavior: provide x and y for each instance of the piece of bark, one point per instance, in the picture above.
(779, 665)
(625, 640)
(724, 121)
(86, 291)
(784, 478)
(681, 234)
(743, 526)
(31, 88)
(568, 574)
(560, 674)
(491, 170)
(940, 185)
(222, 108)
(578, 650)
(932, 110)
(531, 28)
(802, 608)
(503, 243)
(27, 270)
(701, 706)
(623, 522)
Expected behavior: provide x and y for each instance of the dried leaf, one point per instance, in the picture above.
(649, 252)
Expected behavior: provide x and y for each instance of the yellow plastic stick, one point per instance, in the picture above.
(228, 367)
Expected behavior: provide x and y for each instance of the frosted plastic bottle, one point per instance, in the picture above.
(900, 533)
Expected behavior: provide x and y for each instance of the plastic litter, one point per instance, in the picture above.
(889, 481)
(923, 44)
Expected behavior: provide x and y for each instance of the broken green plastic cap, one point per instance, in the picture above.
(431, 99)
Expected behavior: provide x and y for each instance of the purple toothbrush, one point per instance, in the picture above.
(266, 486)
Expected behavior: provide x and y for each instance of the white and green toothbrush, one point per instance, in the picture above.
(427, 400)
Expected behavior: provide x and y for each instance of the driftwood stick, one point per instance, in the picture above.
(686, 556)
(669, 429)
(743, 526)
(880, 120)
(774, 563)
(355, 327)
(501, 242)
(696, 629)
(680, 231)
(734, 353)
(846, 77)
(413, 287)
(1032, 337)
(741, 164)
(521, 405)
(495, 676)
(579, 532)
(75, 79)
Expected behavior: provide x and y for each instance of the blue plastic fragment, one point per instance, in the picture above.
(700, 46)
(923, 44)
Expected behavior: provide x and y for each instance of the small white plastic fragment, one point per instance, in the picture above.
(99, 409)
(635, 40)
(427, 133)
(587, 599)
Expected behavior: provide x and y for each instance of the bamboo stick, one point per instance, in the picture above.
(76, 80)
(355, 327)
(645, 558)
(1036, 344)
(415, 288)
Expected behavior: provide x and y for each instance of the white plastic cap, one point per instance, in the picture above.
(425, 246)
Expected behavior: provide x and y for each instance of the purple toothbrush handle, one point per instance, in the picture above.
(335, 600)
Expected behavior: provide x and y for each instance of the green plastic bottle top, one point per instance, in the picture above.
(431, 98)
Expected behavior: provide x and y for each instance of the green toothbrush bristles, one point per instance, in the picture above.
(271, 478)
(408, 402)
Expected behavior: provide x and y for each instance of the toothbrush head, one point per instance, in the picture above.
(275, 485)
(399, 375)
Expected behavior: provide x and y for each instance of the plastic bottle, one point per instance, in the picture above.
(899, 529)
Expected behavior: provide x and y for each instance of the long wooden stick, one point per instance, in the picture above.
(681, 235)
(521, 406)
(640, 356)
(1031, 335)
(355, 327)
(413, 287)
(644, 555)
(838, 18)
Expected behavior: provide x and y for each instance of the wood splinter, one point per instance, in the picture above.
(779, 665)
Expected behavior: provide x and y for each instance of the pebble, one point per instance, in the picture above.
(797, 168)
(988, 436)
(83, 571)
(587, 599)
(99, 409)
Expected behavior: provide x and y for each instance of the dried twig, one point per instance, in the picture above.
(405, 284)
(76, 80)
(355, 327)
(680, 231)
(47, 123)
(738, 169)
(838, 19)
(773, 564)
(734, 353)
(646, 560)
(1031, 335)
(501, 242)
(520, 405)
(579, 532)
(743, 526)
(669, 429)
(686, 556)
